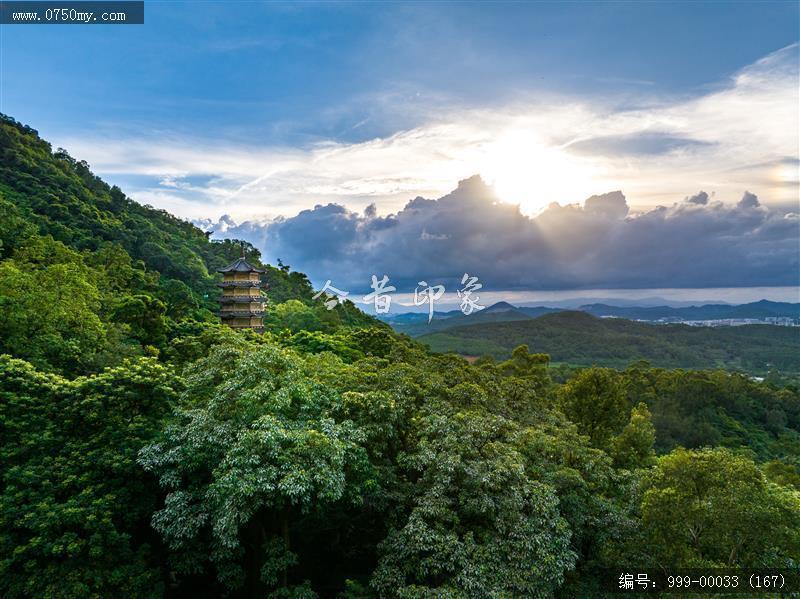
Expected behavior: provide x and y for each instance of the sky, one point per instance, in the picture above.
(310, 129)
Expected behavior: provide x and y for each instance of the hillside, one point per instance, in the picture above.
(90, 276)
(579, 338)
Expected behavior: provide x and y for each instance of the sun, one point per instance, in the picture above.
(526, 171)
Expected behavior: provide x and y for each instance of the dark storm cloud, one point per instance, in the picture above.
(694, 243)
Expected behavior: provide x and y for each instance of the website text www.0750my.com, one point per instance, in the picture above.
(71, 12)
(67, 15)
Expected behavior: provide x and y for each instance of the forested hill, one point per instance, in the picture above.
(579, 338)
(90, 276)
(148, 451)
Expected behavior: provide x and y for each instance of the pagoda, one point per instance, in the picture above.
(242, 303)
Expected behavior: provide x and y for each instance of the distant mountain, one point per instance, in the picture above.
(579, 338)
(416, 324)
(500, 307)
(574, 303)
(499, 312)
(760, 310)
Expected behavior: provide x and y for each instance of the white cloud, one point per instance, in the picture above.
(741, 135)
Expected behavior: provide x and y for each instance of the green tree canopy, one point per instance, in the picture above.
(595, 400)
(712, 507)
(253, 448)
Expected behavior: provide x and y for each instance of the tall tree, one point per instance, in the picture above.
(595, 400)
(633, 447)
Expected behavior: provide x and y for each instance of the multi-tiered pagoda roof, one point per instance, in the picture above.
(241, 265)
(242, 303)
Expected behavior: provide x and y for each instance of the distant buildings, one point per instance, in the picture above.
(781, 321)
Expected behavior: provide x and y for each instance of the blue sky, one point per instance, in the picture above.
(262, 111)
(285, 83)
(294, 74)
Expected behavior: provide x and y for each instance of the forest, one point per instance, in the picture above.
(148, 451)
(579, 338)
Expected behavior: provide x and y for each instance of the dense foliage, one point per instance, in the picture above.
(148, 451)
(582, 339)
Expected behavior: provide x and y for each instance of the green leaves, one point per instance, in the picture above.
(595, 400)
(283, 473)
(145, 317)
(479, 525)
(49, 315)
(633, 447)
(714, 508)
(73, 506)
(257, 451)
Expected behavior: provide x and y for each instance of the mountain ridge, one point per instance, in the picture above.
(414, 324)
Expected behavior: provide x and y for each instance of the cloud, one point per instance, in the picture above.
(741, 134)
(699, 198)
(644, 143)
(595, 245)
(749, 200)
(609, 205)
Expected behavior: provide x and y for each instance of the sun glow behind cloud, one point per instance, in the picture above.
(740, 135)
(525, 170)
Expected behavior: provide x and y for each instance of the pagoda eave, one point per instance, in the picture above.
(241, 299)
(241, 265)
(241, 284)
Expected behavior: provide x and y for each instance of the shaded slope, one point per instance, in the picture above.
(579, 338)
